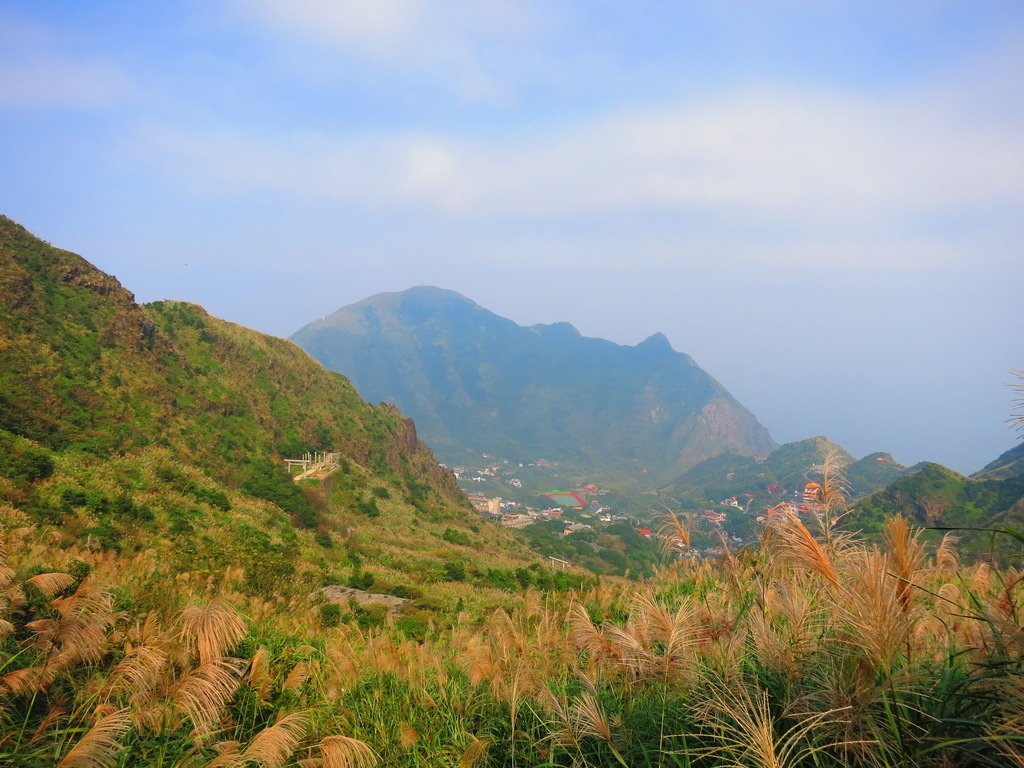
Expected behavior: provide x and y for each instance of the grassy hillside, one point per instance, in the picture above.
(874, 471)
(161, 429)
(936, 496)
(812, 652)
(85, 368)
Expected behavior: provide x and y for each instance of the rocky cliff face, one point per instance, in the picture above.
(405, 448)
(719, 424)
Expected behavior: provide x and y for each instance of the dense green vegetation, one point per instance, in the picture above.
(270, 482)
(84, 368)
(937, 497)
(615, 549)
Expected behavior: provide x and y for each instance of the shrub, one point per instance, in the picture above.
(73, 497)
(323, 538)
(42, 510)
(418, 492)
(271, 483)
(406, 591)
(499, 578)
(180, 521)
(454, 570)
(370, 616)
(209, 496)
(412, 627)
(360, 579)
(79, 569)
(97, 503)
(524, 577)
(106, 535)
(21, 461)
(454, 536)
(125, 508)
(294, 446)
(168, 475)
(369, 508)
(330, 615)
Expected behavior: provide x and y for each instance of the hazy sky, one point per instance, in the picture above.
(822, 202)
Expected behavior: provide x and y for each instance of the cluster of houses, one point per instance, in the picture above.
(713, 517)
(512, 514)
(578, 509)
(584, 509)
(501, 471)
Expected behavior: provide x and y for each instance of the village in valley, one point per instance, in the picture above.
(521, 506)
(524, 496)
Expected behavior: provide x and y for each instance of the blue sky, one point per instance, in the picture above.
(820, 201)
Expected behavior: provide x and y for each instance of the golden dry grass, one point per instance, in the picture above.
(210, 630)
(274, 746)
(343, 752)
(783, 656)
(101, 745)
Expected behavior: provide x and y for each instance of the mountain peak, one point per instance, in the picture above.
(656, 342)
(419, 295)
(433, 292)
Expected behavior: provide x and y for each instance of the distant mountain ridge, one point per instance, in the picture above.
(475, 382)
(1009, 464)
(780, 475)
(935, 496)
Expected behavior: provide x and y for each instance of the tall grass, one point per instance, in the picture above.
(815, 650)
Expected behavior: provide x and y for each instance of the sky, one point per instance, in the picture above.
(821, 201)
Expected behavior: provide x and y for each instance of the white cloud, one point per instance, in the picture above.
(822, 164)
(34, 72)
(375, 28)
(54, 81)
(446, 41)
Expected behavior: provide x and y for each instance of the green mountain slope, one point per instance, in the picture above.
(1009, 464)
(478, 383)
(780, 476)
(937, 496)
(872, 472)
(83, 366)
(160, 428)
